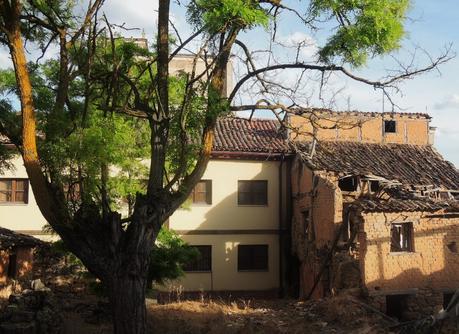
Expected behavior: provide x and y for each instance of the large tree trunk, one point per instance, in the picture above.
(127, 297)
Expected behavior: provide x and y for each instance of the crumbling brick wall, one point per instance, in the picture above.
(422, 275)
(362, 127)
(431, 264)
(23, 265)
(317, 201)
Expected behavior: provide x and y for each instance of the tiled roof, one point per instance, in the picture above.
(324, 111)
(401, 205)
(400, 200)
(408, 164)
(254, 136)
(10, 238)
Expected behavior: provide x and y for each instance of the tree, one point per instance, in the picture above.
(98, 86)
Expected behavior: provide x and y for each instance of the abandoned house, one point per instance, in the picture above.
(16, 255)
(375, 207)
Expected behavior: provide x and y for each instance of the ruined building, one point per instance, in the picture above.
(374, 208)
(326, 202)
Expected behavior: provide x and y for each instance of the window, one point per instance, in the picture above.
(401, 237)
(14, 191)
(252, 192)
(202, 192)
(452, 246)
(390, 127)
(307, 226)
(349, 183)
(204, 261)
(374, 186)
(252, 257)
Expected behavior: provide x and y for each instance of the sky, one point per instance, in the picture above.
(431, 25)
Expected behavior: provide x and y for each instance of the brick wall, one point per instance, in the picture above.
(4, 262)
(361, 127)
(319, 195)
(431, 265)
(24, 263)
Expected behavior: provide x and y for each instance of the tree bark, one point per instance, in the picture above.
(127, 298)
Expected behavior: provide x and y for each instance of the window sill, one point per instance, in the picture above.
(253, 205)
(402, 253)
(13, 204)
(253, 271)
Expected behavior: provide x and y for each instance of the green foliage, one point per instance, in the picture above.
(221, 15)
(367, 28)
(169, 256)
(59, 248)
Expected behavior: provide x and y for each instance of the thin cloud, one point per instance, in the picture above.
(450, 102)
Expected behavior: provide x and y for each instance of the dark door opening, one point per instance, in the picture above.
(12, 265)
(396, 305)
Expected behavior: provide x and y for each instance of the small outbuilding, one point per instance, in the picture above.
(16, 255)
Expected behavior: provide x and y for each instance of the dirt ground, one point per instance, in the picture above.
(339, 315)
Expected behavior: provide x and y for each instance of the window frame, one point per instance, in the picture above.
(208, 258)
(251, 192)
(208, 193)
(14, 191)
(389, 121)
(252, 267)
(404, 227)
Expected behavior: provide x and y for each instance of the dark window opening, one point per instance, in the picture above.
(452, 246)
(202, 192)
(348, 183)
(390, 127)
(12, 265)
(395, 305)
(14, 191)
(204, 261)
(252, 257)
(307, 228)
(252, 192)
(447, 299)
(401, 237)
(374, 186)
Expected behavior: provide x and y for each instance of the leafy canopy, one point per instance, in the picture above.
(366, 28)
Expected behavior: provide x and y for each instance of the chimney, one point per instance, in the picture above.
(432, 130)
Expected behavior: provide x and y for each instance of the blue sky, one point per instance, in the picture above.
(431, 25)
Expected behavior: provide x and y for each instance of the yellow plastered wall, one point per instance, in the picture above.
(225, 275)
(224, 213)
(17, 216)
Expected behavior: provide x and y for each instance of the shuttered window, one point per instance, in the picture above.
(14, 191)
(252, 192)
(402, 237)
(202, 192)
(252, 258)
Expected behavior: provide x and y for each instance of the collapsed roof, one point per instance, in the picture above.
(408, 164)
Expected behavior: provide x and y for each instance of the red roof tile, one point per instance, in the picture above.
(254, 136)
